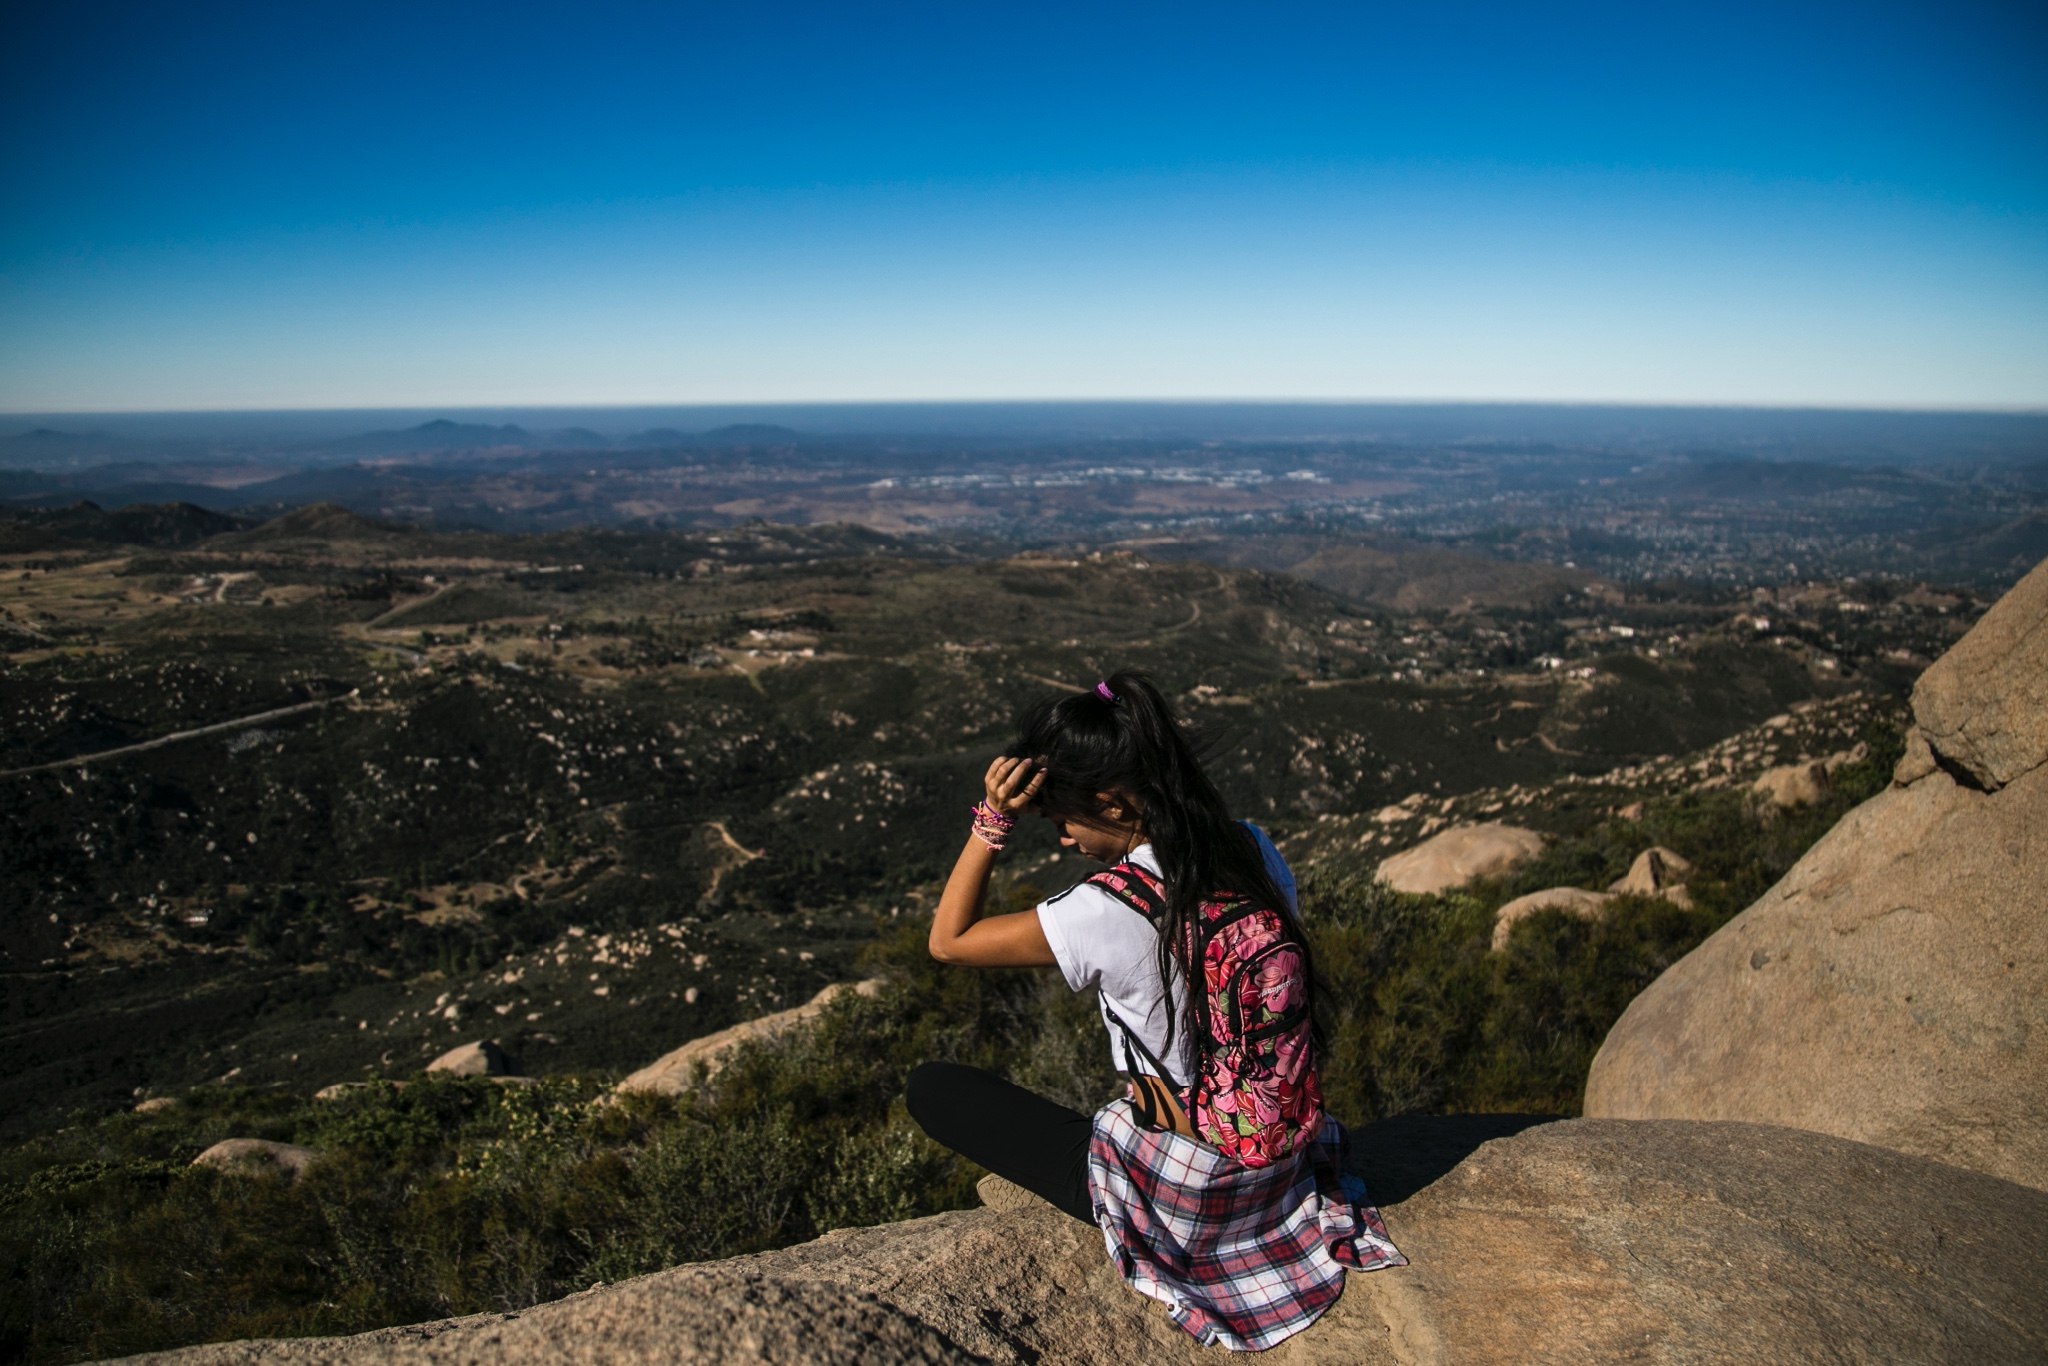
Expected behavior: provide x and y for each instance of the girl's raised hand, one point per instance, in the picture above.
(1011, 785)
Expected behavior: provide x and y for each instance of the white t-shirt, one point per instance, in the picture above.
(1100, 942)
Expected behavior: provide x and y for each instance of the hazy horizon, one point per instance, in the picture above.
(78, 440)
(488, 411)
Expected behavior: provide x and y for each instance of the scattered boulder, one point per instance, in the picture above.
(341, 1090)
(484, 1058)
(1461, 854)
(155, 1104)
(1843, 758)
(1575, 900)
(1568, 1242)
(1984, 705)
(1652, 871)
(1893, 987)
(1791, 785)
(1656, 872)
(257, 1156)
(674, 1073)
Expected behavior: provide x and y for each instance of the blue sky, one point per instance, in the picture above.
(292, 206)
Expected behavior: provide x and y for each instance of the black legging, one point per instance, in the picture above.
(1017, 1134)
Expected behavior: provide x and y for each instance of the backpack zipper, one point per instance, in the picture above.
(1281, 1025)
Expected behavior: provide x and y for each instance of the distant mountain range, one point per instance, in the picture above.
(50, 441)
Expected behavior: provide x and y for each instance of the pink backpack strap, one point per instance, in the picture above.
(1135, 888)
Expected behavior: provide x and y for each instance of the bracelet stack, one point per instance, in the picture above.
(991, 826)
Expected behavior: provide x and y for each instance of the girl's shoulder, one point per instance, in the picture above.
(1136, 884)
(1092, 933)
(1113, 893)
(1089, 894)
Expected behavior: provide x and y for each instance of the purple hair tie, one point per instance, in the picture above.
(1102, 691)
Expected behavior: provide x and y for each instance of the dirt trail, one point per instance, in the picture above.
(718, 873)
(408, 604)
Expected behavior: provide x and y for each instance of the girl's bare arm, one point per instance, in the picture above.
(959, 933)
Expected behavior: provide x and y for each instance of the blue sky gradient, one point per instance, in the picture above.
(503, 204)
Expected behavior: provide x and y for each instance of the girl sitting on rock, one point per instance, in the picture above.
(1217, 1181)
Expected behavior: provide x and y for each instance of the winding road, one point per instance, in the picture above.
(217, 728)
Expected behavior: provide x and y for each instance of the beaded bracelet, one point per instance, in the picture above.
(991, 826)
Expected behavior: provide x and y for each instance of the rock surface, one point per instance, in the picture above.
(1580, 1241)
(257, 1157)
(674, 1072)
(1984, 705)
(484, 1058)
(1579, 902)
(1601, 1241)
(1893, 987)
(1917, 762)
(1461, 854)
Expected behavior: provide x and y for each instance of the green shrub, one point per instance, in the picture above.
(444, 1197)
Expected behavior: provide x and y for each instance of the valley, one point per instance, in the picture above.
(596, 793)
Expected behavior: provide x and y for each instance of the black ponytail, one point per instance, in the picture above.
(1122, 737)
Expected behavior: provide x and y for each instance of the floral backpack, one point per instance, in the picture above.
(1256, 1097)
